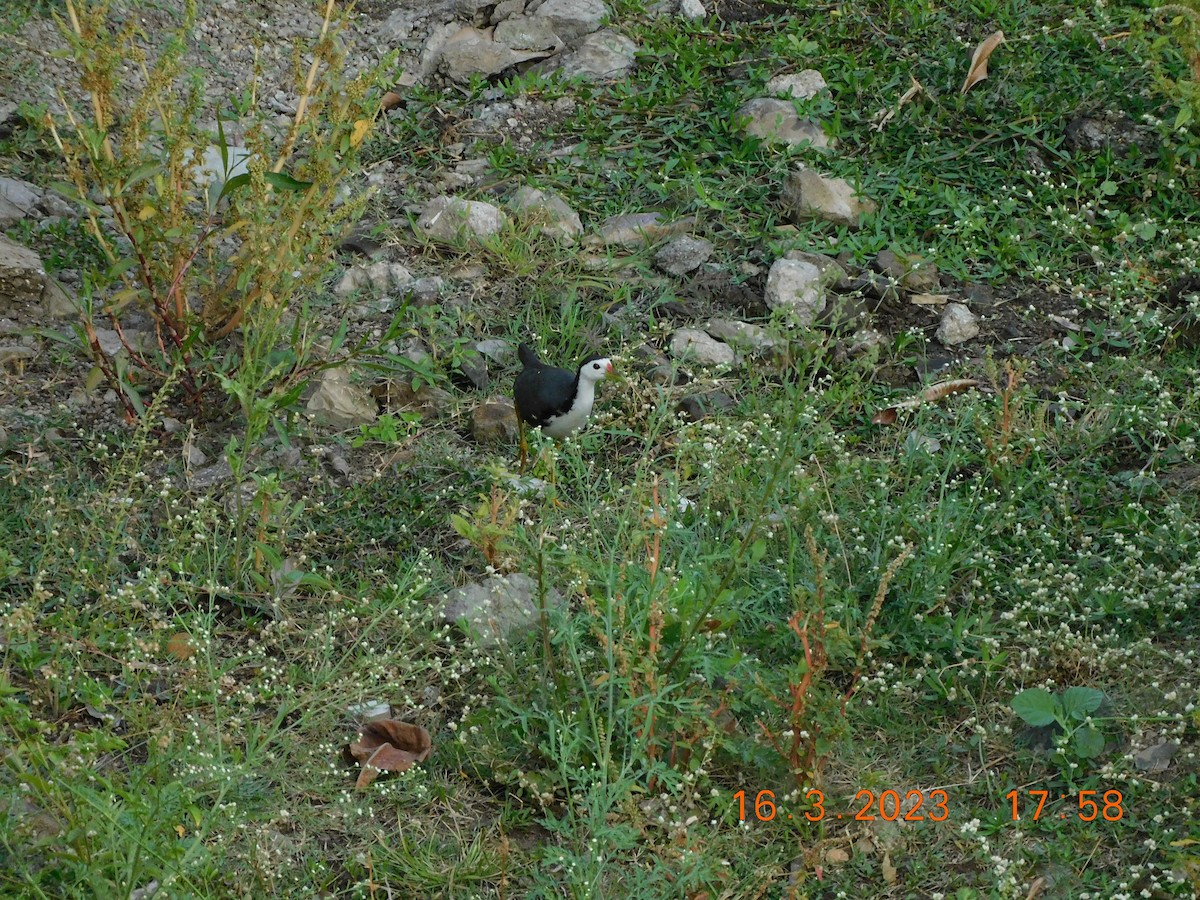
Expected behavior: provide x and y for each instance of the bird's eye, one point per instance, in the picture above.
(596, 366)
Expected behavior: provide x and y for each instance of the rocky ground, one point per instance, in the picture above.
(507, 203)
(441, 47)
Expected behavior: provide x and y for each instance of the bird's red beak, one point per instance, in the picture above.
(609, 370)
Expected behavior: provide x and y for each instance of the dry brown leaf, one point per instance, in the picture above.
(886, 416)
(944, 389)
(388, 745)
(180, 646)
(889, 871)
(886, 115)
(979, 60)
(1036, 887)
(929, 299)
(931, 394)
(390, 100)
(836, 856)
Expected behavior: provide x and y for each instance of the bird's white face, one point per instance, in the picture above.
(596, 370)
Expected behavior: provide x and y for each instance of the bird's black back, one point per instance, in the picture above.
(542, 392)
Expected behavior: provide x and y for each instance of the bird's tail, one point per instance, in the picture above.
(527, 356)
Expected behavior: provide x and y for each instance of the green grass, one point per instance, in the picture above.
(174, 703)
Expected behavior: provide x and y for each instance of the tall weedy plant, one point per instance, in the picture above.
(215, 242)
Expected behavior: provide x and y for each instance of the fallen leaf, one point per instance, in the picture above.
(179, 645)
(1035, 888)
(886, 115)
(388, 745)
(979, 60)
(361, 127)
(1155, 759)
(837, 856)
(929, 299)
(931, 394)
(889, 871)
(391, 100)
(1064, 322)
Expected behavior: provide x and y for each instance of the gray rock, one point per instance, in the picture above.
(695, 407)
(354, 279)
(958, 325)
(3, 437)
(833, 274)
(742, 335)
(474, 51)
(57, 301)
(395, 28)
(808, 195)
(695, 345)
(210, 476)
(339, 403)
(920, 275)
(427, 290)
(866, 339)
(18, 200)
(802, 85)
(879, 287)
(795, 286)
(692, 10)
(451, 219)
(499, 607)
(494, 422)
(549, 212)
(427, 401)
(496, 349)
(603, 56)
(888, 262)
(15, 354)
(387, 277)
(777, 122)
(507, 9)
(572, 19)
(22, 277)
(475, 368)
(528, 34)
(683, 255)
(381, 277)
(913, 273)
(1153, 759)
(637, 230)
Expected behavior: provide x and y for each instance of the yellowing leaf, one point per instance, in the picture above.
(361, 127)
(888, 870)
(146, 212)
(979, 60)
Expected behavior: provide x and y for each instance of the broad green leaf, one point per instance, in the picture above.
(141, 173)
(1079, 702)
(1089, 742)
(69, 191)
(1035, 706)
(233, 184)
(285, 182)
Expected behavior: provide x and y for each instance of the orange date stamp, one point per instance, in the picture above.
(1081, 806)
(915, 806)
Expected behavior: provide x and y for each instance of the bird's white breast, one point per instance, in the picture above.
(575, 417)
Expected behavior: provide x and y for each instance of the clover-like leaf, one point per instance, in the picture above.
(1089, 742)
(1080, 702)
(1035, 706)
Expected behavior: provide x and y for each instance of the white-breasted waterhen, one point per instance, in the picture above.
(555, 400)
